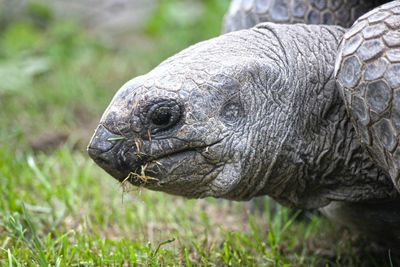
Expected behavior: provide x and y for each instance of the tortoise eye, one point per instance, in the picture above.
(164, 115)
(161, 117)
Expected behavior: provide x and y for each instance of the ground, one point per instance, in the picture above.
(59, 209)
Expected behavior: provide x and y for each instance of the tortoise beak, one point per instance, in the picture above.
(104, 148)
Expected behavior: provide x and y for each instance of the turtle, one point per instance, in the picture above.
(307, 114)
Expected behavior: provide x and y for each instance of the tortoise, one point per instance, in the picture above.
(307, 114)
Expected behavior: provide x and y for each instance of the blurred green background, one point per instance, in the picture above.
(57, 75)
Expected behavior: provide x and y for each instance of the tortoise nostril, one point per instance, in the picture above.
(101, 141)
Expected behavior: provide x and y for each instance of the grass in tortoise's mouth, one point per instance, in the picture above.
(138, 176)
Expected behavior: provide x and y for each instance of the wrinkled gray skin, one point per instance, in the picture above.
(260, 115)
(367, 73)
(249, 113)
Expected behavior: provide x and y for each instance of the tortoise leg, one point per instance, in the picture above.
(245, 14)
(368, 74)
(378, 221)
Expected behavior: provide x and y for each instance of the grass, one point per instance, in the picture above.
(59, 209)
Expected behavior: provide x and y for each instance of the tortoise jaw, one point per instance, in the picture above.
(127, 160)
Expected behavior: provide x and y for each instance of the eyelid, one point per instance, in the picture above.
(149, 108)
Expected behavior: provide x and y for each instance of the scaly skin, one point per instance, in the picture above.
(368, 71)
(249, 113)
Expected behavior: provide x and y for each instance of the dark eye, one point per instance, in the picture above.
(163, 115)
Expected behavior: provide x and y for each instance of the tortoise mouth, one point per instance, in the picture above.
(144, 162)
(155, 169)
(158, 168)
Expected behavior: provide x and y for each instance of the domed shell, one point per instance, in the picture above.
(368, 75)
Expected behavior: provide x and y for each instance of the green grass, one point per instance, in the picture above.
(59, 209)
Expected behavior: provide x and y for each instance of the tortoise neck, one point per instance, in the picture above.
(328, 161)
(321, 158)
(341, 169)
(312, 155)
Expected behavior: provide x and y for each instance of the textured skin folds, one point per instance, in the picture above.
(368, 73)
(246, 129)
(369, 69)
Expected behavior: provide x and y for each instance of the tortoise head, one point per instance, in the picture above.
(221, 118)
(184, 128)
